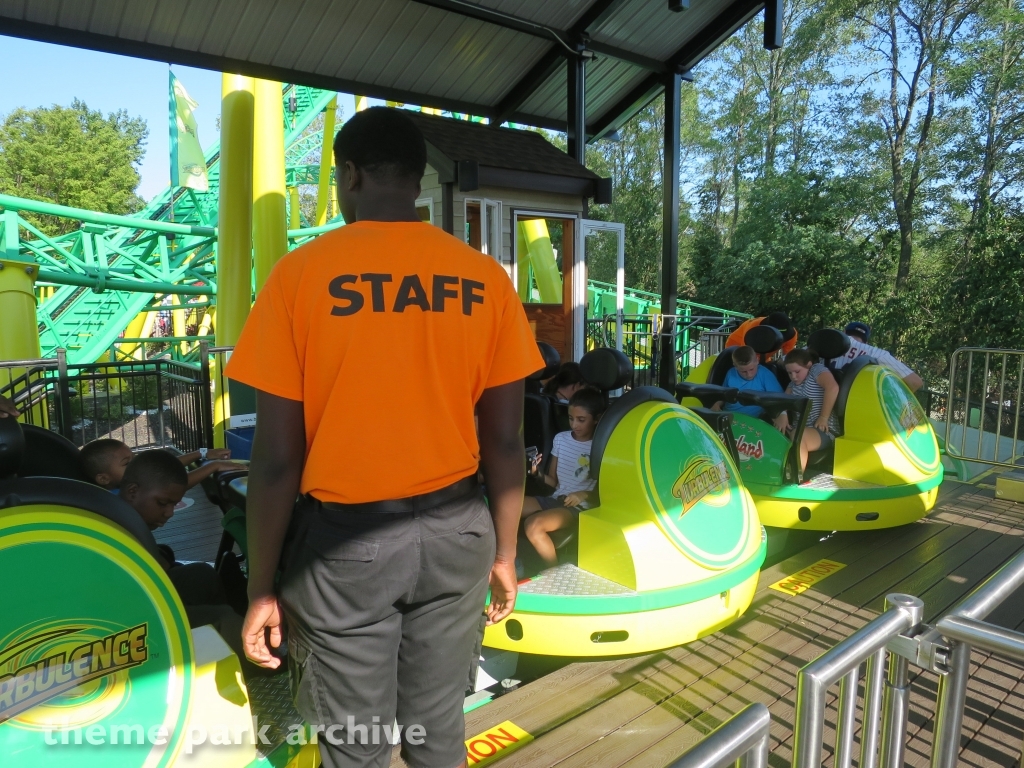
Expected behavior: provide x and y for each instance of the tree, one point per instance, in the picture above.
(72, 156)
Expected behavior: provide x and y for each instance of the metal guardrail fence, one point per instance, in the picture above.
(964, 629)
(886, 696)
(742, 740)
(983, 407)
(696, 337)
(144, 403)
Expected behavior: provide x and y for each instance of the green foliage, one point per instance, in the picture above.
(72, 156)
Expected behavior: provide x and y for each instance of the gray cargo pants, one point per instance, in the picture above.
(384, 615)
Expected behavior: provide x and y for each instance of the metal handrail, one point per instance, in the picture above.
(965, 629)
(743, 739)
(1005, 367)
(842, 663)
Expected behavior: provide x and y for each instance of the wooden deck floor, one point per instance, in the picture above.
(644, 711)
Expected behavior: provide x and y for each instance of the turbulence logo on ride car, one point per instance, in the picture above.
(693, 488)
(907, 422)
(699, 478)
(45, 667)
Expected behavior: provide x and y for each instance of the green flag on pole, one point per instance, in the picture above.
(188, 166)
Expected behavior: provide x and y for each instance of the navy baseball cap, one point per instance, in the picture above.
(858, 328)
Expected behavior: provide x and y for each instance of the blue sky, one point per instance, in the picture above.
(41, 74)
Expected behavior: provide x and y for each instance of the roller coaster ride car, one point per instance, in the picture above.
(883, 471)
(98, 665)
(670, 554)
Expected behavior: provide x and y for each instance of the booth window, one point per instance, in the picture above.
(483, 226)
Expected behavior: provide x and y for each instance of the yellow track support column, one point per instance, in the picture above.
(326, 163)
(19, 330)
(294, 222)
(269, 210)
(542, 259)
(234, 225)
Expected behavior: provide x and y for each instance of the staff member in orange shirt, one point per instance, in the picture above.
(370, 349)
(779, 320)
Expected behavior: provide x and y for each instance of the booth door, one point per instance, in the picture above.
(548, 270)
(598, 323)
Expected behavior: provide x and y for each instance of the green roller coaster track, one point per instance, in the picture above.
(107, 269)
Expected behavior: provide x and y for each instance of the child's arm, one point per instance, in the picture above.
(551, 478)
(828, 383)
(196, 476)
(211, 453)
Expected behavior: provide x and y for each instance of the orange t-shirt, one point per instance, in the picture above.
(737, 337)
(388, 332)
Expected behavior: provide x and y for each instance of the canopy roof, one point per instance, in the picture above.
(501, 59)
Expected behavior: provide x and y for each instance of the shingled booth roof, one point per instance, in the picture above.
(477, 155)
(501, 59)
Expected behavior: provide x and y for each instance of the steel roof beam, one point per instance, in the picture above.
(570, 42)
(721, 27)
(598, 12)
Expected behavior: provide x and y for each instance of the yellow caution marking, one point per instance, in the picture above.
(495, 743)
(803, 580)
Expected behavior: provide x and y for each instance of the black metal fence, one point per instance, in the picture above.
(145, 404)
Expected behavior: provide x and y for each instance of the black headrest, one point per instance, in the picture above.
(829, 343)
(27, 491)
(12, 446)
(48, 454)
(765, 339)
(551, 362)
(606, 368)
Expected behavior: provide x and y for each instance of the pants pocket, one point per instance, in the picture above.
(305, 683)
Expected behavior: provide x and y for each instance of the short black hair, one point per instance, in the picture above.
(156, 468)
(98, 454)
(383, 142)
(801, 356)
(590, 400)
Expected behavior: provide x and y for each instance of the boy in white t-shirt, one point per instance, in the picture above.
(859, 334)
(569, 473)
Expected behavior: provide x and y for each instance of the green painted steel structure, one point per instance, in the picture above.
(107, 269)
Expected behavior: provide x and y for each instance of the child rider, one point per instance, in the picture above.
(104, 462)
(569, 473)
(746, 373)
(811, 379)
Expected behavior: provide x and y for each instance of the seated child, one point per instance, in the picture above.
(104, 461)
(153, 483)
(566, 383)
(809, 378)
(748, 374)
(569, 473)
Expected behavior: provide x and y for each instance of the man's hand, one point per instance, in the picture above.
(223, 466)
(7, 408)
(217, 454)
(504, 587)
(264, 613)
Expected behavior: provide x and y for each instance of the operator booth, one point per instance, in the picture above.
(518, 198)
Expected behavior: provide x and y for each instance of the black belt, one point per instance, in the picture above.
(421, 503)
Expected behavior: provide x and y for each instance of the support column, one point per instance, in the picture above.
(19, 329)
(576, 112)
(234, 227)
(670, 234)
(323, 186)
(269, 209)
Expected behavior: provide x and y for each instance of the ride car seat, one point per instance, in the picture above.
(830, 344)
(540, 415)
(767, 340)
(25, 491)
(721, 366)
(48, 454)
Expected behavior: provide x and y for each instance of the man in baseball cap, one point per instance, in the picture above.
(859, 334)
